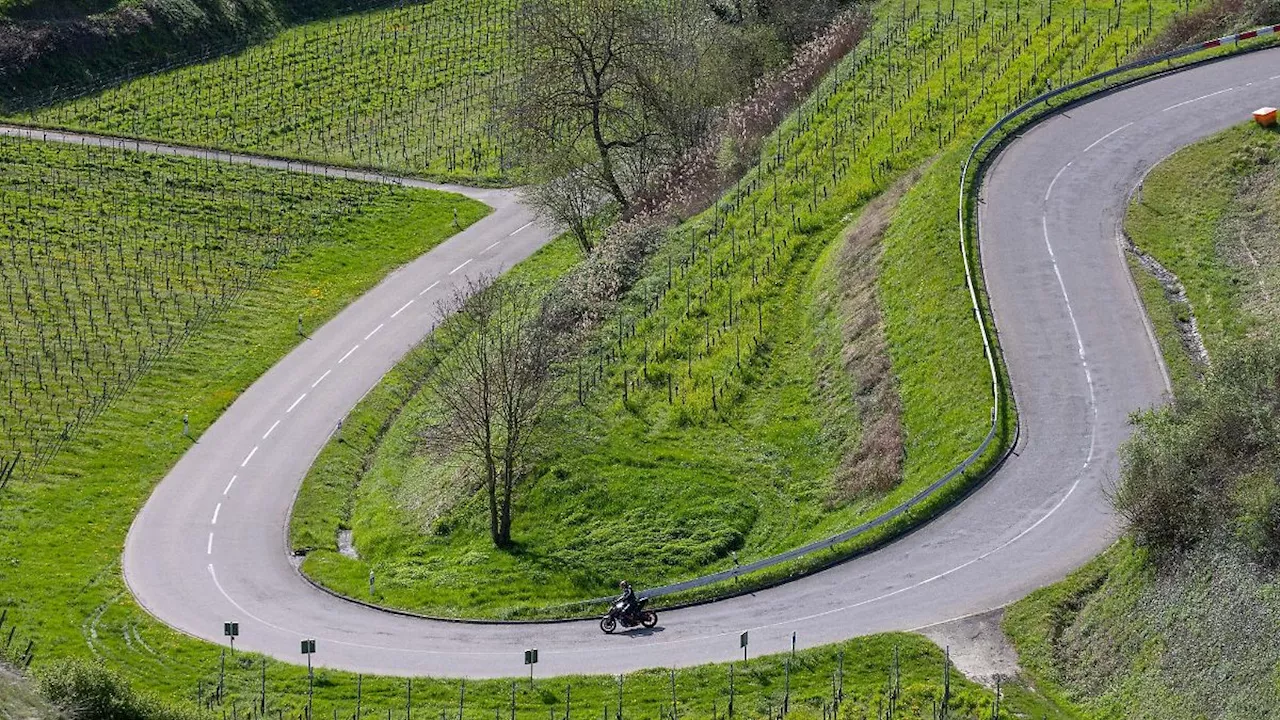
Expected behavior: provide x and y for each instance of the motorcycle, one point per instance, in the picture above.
(637, 616)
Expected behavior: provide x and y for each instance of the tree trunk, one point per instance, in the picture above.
(508, 482)
(495, 530)
(606, 160)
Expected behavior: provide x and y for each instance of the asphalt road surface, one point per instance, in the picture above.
(210, 544)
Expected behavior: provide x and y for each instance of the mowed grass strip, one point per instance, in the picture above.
(742, 461)
(1208, 214)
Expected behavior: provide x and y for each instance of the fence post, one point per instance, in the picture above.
(786, 690)
(730, 691)
(674, 703)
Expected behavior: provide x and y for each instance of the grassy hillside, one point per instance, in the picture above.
(882, 114)
(1209, 214)
(52, 48)
(237, 255)
(1184, 630)
(114, 260)
(408, 89)
(20, 701)
(744, 452)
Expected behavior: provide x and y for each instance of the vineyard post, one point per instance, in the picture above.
(731, 688)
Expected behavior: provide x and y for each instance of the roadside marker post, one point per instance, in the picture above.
(531, 659)
(309, 649)
(742, 643)
(231, 630)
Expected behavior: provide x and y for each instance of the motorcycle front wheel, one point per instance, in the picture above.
(608, 624)
(649, 618)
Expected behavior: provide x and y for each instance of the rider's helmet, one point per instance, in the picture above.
(624, 585)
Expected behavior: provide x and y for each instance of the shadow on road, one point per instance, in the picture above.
(641, 632)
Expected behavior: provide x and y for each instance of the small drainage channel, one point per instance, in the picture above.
(1184, 318)
(345, 545)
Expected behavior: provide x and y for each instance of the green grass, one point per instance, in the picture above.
(1208, 213)
(658, 491)
(406, 89)
(1164, 316)
(1121, 638)
(333, 478)
(62, 530)
(62, 579)
(113, 259)
(862, 670)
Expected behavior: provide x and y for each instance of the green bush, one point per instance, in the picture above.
(1207, 464)
(85, 690)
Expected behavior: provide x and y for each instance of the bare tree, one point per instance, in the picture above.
(572, 201)
(593, 94)
(492, 383)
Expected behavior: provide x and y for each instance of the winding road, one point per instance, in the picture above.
(210, 544)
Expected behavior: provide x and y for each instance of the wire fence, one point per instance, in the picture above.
(17, 649)
(826, 683)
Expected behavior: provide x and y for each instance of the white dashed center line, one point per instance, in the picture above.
(1055, 181)
(371, 332)
(468, 262)
(295, 403)
(513, 232)
(267, 434)
(1202, 97)
(209, 549)
(228, 488)
(321, 378)
(402, 308)
(492, 245)
(215, 514)
(428, 288)
(344, 357)
(1104, 137)
(249, 457)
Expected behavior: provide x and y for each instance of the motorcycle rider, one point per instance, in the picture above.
(627, 598)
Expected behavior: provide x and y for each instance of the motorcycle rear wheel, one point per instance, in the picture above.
(608, 624)
(649, 618)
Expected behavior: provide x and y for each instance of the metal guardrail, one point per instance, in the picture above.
(928, 492)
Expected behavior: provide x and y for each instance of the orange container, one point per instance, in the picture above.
(1266, 117)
